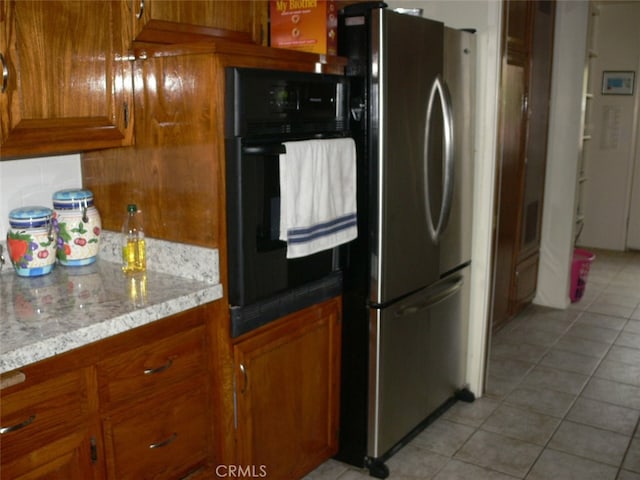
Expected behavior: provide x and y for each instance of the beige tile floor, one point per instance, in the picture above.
(562, 401)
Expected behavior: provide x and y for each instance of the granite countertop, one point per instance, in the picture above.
(73, 306)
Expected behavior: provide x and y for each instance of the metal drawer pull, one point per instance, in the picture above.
(18, 426)
(5, 74)
(151, 371)
(140, 10)
(164, 443)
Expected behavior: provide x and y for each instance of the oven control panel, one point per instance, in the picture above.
(266, 102)
(285, 98)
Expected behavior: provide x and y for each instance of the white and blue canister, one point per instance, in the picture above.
(79, 226)
(31, 241)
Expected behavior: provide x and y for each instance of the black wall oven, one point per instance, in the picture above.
(264, 109)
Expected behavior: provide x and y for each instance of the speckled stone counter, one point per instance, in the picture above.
(73, 306)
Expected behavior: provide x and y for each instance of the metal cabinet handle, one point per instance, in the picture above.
(243, 370)
(129, 57)
(5, 74)
(18, 426)
(125, 108)
(160, 369)
(164, 443)
(140, 10)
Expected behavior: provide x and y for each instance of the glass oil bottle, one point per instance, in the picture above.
(134, 255)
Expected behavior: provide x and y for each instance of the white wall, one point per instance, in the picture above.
(610, 153)
(33, 181)
(485, 17)
(563, 150)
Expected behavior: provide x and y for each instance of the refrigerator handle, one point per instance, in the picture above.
(448, 290)
(440, 88)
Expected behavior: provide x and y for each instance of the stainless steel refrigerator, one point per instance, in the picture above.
(406, 300)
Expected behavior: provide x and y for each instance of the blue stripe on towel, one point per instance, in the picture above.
(306, 234)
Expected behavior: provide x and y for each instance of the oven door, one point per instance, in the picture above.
(258, 267)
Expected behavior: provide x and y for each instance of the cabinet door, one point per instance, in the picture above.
(525, 282)
(45, 432)
(509, 178)
(538, 124)
(287, 381)
(248, 16)
(67, 84)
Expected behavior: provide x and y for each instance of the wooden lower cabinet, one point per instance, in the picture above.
(164, 437)
(45, 431)
(135, 406)
(154, 401)
(287, 393)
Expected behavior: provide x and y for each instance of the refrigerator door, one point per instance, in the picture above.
(459, 68)
(417, 359)
(407, 58)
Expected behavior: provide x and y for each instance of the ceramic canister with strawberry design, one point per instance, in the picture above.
(31, 241)
(78, 224)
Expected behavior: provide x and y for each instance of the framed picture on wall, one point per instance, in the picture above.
(618, 83)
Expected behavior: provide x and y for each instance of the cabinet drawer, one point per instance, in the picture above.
(526, 280)
(41, 413)
(140, 370)
(165, 440)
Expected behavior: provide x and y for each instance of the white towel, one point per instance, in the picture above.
(317, 195)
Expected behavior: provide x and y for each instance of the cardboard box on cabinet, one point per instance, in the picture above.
(306, 25)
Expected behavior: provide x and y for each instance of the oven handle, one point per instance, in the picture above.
(264, 149)
(279, 148)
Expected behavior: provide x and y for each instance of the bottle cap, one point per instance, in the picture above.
(132, 207)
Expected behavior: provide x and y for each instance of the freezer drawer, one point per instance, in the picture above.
(418, 359)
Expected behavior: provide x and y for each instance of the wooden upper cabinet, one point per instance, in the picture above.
(247, 16)
(67, 83)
